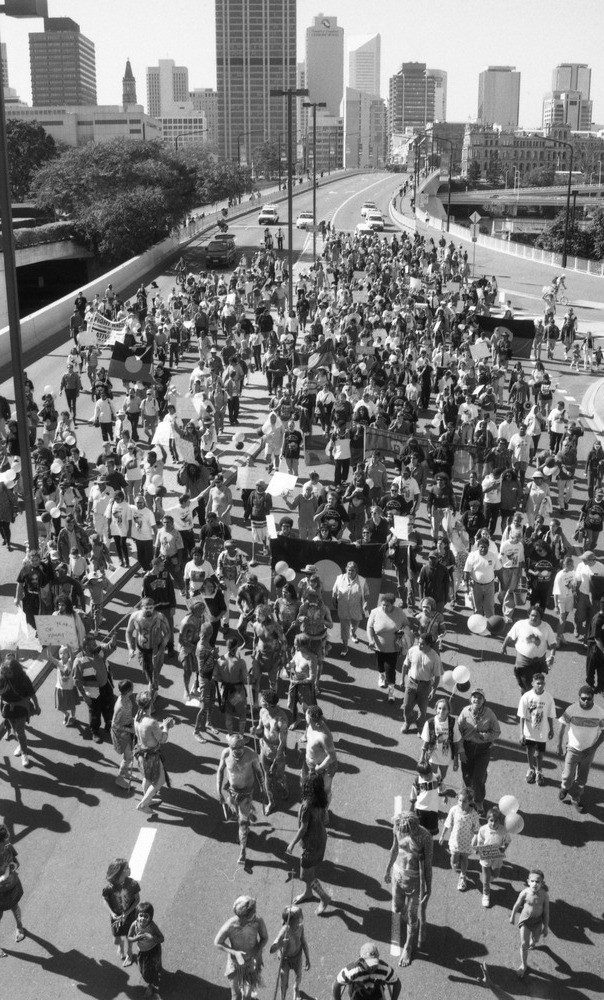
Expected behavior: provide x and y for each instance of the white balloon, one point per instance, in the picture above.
(514, 823)
(448, 680)
(281, 567)
(508, 805)
(56, 466)
(290, 575)
(461, 674)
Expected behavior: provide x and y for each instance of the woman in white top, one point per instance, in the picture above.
(350, 595)
(441, 739)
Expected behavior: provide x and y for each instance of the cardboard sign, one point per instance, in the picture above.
(480, 350)
(57, 630)
(280, 483)
(249, 475)
(271, 527)
(488, 852)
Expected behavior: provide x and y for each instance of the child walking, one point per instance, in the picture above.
(463, 824)
(425, 796)
(66, 695)
(149, 939)
(291, 943)
(533, 904)
(491, 841)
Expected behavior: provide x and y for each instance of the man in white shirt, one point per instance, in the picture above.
(536, 712)
(479, 572)
(507, 428)
(556, 421)
(532, 638)
(584, 722)
(587, 567)
(520, 448)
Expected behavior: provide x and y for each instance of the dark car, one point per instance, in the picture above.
(220, 252)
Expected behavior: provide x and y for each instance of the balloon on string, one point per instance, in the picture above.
(281, 567)
(47, 390)
(508, 805)
(70, 440)
(156, 480)
(10, 477)
(239, 437)
(465, 687)
(461, 674)
(514, 823)
(151, 489)
(447, 680)
(478, 624)
(56, 466)
(49, 505)
(290, 575)
(55, 513)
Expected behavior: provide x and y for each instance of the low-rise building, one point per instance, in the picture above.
(75, 126)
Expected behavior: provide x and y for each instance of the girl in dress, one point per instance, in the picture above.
(149, 939)
(121, 896)
(66, 695)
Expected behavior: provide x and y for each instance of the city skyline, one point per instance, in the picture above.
(471, 35)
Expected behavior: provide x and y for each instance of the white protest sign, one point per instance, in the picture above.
(401, 527)
(280, 483)
(248, 476)
(271, 527)
(57, 630)
(162, 433)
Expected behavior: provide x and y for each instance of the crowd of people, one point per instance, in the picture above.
(473, 456)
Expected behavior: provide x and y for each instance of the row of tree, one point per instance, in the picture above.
(120, 196)
(585, 241)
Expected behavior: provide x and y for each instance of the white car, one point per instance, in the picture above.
(368, 206)
(304, 220)
(364, 229)
(269, 215)
(375, 220)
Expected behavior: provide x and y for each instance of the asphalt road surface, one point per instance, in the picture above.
(69, 818)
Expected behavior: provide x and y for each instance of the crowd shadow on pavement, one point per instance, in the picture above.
(99, 979)
(502, 982)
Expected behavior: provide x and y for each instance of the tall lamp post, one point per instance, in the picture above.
(290, 93)
(314, 105)
(17, 8)
(569, 145)
(185, 135)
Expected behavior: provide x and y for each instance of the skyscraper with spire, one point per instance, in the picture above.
(128, 86)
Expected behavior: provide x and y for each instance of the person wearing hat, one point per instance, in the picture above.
(479, 729)
(243, 938)
(238, 771)
(150, 737)
(582, 723)
(368, 977)
(538, 500)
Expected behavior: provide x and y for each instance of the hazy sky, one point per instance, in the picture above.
(459, 36)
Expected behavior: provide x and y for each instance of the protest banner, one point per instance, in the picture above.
(248, 476)
(57, 630)
(280, 483)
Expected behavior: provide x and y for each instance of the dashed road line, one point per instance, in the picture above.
(141, 852)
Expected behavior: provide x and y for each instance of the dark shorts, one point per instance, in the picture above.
(537, 745)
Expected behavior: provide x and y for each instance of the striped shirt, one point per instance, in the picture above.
(361, 974)
(585, 725)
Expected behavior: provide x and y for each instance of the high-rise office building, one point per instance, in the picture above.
(325, 63)
(365, 129)
(499, 96)
(128, 86)
(568, 102)
(255, 53)
(167, 85)
(205, 99)
(440, 93)
(364, 64)
(411, 98)
(62, 64)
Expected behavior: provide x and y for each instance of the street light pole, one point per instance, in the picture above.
(183, 135)
(314, 105)
(32, 8)
(290, 93)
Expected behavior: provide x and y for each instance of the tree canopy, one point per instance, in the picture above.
(121, 196)
(587, 241)
(28, 147)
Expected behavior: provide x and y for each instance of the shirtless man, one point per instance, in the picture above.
(272, 730)
(409, 869)
(147, 636)
(243, 938)
(320, 750)
(242, 766)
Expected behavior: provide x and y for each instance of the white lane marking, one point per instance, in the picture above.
(395, 925)
(141, 852)
(355, 195)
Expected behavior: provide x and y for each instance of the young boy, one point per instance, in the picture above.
(536, 713)
(565, 587)
(291, 942)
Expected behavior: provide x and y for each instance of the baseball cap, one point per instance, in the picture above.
(369, 953)
(479, 691)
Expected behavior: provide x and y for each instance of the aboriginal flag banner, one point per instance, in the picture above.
(132, 364)
(331, 558)
(381, 439)
(322, 357)
(521, 330)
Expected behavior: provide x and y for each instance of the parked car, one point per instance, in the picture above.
(304, 220)
(269, 215)
(221, 251)
(368, 206)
